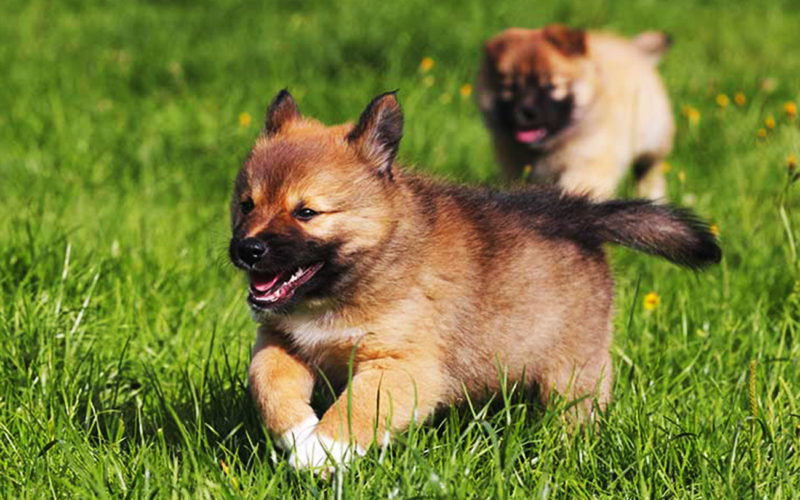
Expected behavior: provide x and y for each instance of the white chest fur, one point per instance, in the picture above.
(314, 332)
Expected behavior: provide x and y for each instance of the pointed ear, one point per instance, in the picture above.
(493, 48)
(568, 41)
(282, 110)
(378, 132)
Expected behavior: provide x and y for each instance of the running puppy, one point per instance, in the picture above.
(428, 287)
(578, 107)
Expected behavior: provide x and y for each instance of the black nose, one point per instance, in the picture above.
(526, 113)
(250, 250)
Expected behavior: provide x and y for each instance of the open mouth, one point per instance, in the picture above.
(531, 136)
(268, 291)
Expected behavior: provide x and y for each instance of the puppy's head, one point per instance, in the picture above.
(534, 83)
(312, 204)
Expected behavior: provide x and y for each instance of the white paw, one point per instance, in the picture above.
(317, 451)
(310, 450)
(297, 434)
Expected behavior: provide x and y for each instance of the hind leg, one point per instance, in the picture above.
(649, 174)
(590, 383)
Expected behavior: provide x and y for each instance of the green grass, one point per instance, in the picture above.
(125, 334)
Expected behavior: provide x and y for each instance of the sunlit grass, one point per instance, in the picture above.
(125, 336)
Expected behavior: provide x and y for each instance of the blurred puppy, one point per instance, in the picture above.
(577, 107)
(426, 288)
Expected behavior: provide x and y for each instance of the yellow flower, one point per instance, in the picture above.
(245, 119)
(428, 81)
(791, 109)
(651, 301)
(714, 229)
(770, 122)
(762, 133)
(791, 162)
(723, 101)
(740, 99)
(227, 471)
(527, 170)
(682, 175)
(465, 90)
(691, 114)
(665, 167)
(426, 64)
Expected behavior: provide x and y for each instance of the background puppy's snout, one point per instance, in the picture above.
(525, 116)
(526, 112)
(251, 250)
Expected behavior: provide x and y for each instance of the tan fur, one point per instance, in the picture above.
(621, 115)
(442, 300)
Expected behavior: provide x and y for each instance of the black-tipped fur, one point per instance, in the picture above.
(379, 130)
(673, 233)
(282, 109)
(666, 231)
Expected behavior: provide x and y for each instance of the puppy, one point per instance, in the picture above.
(577, 108)
(403, 292)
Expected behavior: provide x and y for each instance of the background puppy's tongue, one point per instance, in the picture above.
(532, 135)
(263, 283)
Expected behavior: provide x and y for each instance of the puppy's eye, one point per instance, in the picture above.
(304, 214)
(247, 206)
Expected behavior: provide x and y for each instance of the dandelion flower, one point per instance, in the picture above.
(245, 119)
(723, 101)
(692, 114)
(426, 64)
(714, 229)
(665, 167)
(740, 99)
(791, 162)
(762, 133)
(770, 122)
(227, 471)
(682, 175)
(651, 301)
(465, 90)
(527, 170)
(791, 109)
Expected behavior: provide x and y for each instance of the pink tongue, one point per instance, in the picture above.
(264, 284)
(531, 135)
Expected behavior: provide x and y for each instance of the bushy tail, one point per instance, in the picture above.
(653, 44)
(669, 232)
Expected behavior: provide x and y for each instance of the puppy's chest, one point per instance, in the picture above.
(323, 339)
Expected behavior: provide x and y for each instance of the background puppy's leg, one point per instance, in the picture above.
(381, 392)
(281, 386)
(598, 179)
(649, 174)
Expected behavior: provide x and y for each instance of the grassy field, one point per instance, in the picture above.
(125, 333)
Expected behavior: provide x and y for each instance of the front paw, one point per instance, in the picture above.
(322, 453)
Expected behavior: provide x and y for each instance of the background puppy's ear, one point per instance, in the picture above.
(653, 44)
(282, 110)
(378, 131)
(493, 48)
(568, 41)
